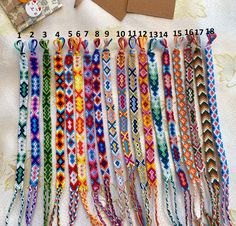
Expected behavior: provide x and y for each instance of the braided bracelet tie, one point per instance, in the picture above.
(147, 120)
(160, 135)
(135, 128)
(70, 134)
(211, 90)
(208, 141)
(124, 134)
(35, 132)
(103, 159)
(80, 129)
(181, 107)
(22, 132)
(113, 136)
(60, 126)
(47, 129)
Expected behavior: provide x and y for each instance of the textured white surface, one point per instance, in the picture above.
(189, 14)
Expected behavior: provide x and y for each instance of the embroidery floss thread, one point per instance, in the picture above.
(35, 132)
(70, 134)
(211, 90)
(60, 126)
(22, 131)
(80, 128)
(112, 129)
(100, 137)
(147, 122)
(135, 127)
(208, 139)
(124, 134)
(47, 123)
(159, 132)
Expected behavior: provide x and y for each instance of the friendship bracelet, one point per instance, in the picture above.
(211, 90)
(60, 126)
(35, 132)
(159, 130)
(208, 139)
(70, 134)
(193, 126)
(47, 122)
(182, 111)
(90, 128)
(135, 128)
(147, 122)
(22, 132)
(113, 136)
(124, 134)
(100, 137)
(80, 129)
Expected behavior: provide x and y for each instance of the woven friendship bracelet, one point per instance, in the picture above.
(182, 111)
(124, 134)
(160, 134)
(70, 134)
(100, 137)
(80, 129)
(35, 132)
(90, 129)
(135, 127)
(22, 131)
(113, 136)
(147, 121)
(60, 126)
(208, 140)
(211, 90)
(47, 122)
(193, 126)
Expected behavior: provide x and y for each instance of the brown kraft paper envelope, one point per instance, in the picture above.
(157, 8)
(117, 8)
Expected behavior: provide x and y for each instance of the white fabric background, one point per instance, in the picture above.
(88, 16)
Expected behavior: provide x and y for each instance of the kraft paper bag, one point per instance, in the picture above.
(157, 8)
(117, 8)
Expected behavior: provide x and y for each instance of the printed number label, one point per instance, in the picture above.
(31, 34)
(57, 34)
(45, 34)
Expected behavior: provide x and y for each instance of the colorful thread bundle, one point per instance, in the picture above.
(80, 121)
